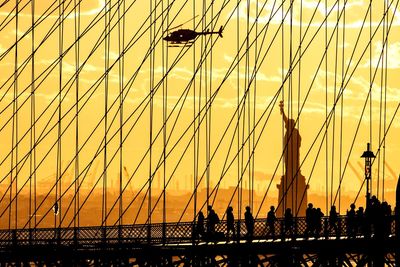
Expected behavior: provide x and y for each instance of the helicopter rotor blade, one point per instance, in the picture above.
(180, 25)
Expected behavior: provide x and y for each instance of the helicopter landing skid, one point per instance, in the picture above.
(188, 44)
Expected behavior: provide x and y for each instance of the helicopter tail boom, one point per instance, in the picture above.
(219, 32)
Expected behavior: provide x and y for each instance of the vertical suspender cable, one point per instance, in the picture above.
(15, 118)
(242, 145)
(381, 97)
(106, 65)
(334, 106)
(326, 109)
(370, 75)
(247, 87)
(290, 104)
(254, 110)
(194, 122)
(204, 48)
(210, 94)
(341, 98)
(298, 100)
(284, 165)
(59, 144)
(244, 114)
(121, 64)
(247, 93)
(77, 12)
(199, 110)
(238, 117)
(384, 108)
(151, 58)
(32, 171)
(165, 110)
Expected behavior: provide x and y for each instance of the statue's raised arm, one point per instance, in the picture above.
(283, 111)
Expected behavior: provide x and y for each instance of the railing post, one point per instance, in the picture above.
(339, 229)
(164, 239)
(75, 237)
(104, 234)
(30, 236)
(238, 237)
(56, 238)
(14, 237)
(149, 233)
(119, 233)
(283, 230)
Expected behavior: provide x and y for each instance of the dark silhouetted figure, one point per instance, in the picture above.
(249, 221)
(230, 222)
(360, 221)
(271, 219)
(212, 220)
(310, 226)
(318, 221)
(288, 221)
(387, 218)
(351, 221)
(200, 224)
(333, 219)
(374, 218)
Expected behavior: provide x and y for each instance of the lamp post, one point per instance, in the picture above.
(368, 155)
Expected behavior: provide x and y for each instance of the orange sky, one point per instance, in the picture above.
(215, 77)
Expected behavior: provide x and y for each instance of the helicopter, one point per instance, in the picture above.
(187, 37)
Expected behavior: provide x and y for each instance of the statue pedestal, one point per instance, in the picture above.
(293, 195)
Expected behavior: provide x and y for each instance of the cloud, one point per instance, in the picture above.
(357, 88)
(393, 56)
(310, 6)
(97, 7)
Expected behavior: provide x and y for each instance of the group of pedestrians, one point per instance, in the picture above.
(314, 220)
(375, 221)
(213, 220)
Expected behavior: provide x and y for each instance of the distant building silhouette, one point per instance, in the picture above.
(292, 187)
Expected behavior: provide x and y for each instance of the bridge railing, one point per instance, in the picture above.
(185, 232)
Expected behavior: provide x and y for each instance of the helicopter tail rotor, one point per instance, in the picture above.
(220, 31)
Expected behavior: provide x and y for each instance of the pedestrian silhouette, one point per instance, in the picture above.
(212, 220)
(373, 218)
(200, 224)
(318, 214)
(351, 221)
(333, 220)
(310, 226)
(360, 221)
(230, 222)
(288, 221)
(387, 218)
(249, 222)
(271, 219)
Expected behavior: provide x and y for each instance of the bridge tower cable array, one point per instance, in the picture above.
(115, 95)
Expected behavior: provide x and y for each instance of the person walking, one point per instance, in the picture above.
(230, 222)
(271, 219)
(249, 221)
